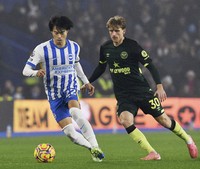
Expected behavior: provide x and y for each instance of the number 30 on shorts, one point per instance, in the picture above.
(154, 103)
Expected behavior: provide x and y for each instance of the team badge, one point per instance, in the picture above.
(107, 55)
(124, 55)
(70, 57)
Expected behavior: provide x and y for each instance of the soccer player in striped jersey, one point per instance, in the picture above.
(60, 69)
(132, 90)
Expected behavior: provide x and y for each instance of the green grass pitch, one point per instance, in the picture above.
(120, 151)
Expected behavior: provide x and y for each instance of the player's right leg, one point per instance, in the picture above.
(139, 138)
(126, 119)
(152, 156)
(63, 118)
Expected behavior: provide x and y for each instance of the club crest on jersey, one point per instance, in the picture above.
(124, 55)
(70, 57)
(107, 55)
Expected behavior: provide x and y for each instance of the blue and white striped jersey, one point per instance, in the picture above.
(59, 64)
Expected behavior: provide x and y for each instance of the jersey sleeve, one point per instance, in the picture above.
(35, 58)
(101, 67)
(80, 73)
(154, 72)
(144, 59)
(102, 59)
(143, 56)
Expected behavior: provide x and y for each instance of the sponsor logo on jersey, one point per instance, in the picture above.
(124, 70)
(116, 64)
(124, 55)
(107, 55)
(118, 70)
(63, 69)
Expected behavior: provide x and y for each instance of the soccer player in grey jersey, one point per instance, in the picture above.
(59, 61)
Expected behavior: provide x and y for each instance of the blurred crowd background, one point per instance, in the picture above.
(168, 29)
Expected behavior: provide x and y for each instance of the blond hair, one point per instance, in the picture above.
(116, 21)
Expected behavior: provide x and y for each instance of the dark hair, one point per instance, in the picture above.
(61, 22)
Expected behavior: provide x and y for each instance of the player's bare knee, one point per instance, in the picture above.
(126, 119)
(126, 122)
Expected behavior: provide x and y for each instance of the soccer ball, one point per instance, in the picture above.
(45, 153)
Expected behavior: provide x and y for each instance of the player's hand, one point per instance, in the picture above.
(40, 73)
(88, 87)
(160, 93)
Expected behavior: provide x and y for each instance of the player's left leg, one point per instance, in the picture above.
(75, 136)
(175, 127)
(153, 106)
(88, 133)
(85, 127)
